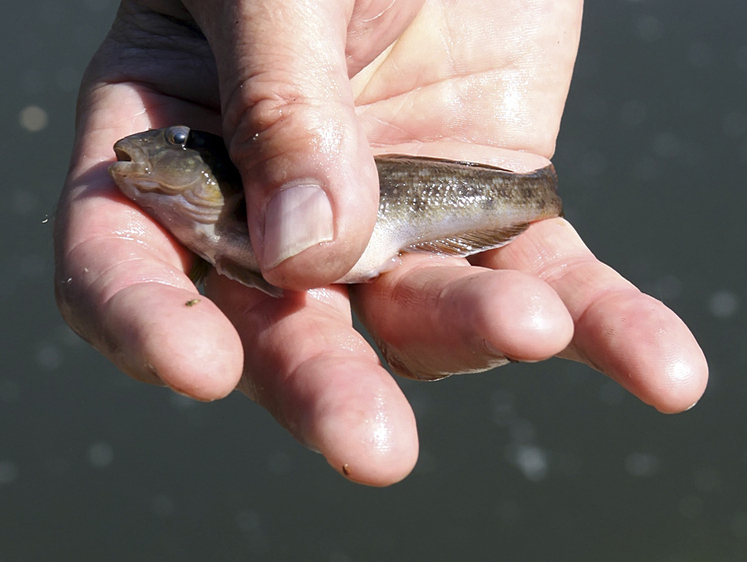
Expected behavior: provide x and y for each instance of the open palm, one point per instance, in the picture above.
(303, 90)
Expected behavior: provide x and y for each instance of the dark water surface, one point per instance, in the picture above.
(548, 462)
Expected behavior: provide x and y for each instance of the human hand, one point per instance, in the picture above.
(483, 81)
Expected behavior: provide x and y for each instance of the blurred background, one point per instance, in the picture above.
(530, 463)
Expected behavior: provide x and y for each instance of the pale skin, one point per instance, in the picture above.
(309, 91)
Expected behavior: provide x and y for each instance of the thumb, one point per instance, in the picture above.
(290, 124)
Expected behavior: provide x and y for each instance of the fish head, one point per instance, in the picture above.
(176, 170)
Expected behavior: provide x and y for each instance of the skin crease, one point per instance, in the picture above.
(311, 90)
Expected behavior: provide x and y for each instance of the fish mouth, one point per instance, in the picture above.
(132, 170)
(131, 159)
(122, 154)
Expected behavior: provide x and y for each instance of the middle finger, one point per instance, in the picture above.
(436, 316)
(305, 363)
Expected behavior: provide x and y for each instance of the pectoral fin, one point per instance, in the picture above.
(234, 271)
(470, 243)
(199, 271)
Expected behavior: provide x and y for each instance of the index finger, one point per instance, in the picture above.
(120, 279)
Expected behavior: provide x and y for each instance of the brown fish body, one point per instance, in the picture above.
(185, 179)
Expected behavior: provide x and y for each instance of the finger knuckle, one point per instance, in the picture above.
(277, 117)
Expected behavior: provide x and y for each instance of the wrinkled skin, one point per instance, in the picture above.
(308, 91)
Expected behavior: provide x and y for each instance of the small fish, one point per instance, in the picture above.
(185, 179)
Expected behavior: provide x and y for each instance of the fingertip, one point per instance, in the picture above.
(525, 319)
(176, 335)
(685, 376)
(388, 455)
(646, 348)
(377, 473)
(673, 372)
(366, 430)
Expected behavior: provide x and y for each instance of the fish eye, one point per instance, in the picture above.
(177, 135)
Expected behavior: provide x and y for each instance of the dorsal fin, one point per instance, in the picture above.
(470, 242)
(419, 160)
